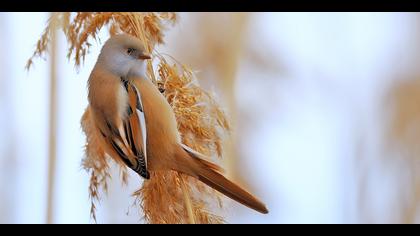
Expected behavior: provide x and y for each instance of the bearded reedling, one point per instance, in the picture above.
(137, 124)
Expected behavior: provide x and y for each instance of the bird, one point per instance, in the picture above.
(137, 125)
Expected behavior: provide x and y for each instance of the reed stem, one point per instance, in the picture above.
(53, 124)
(187, 200)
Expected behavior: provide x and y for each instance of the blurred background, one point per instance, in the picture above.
(325, 110)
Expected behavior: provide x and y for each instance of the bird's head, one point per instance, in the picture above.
(124, 56)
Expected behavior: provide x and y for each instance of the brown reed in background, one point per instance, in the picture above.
(402, 142)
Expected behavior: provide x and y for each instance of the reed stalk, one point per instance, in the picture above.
(52, 150)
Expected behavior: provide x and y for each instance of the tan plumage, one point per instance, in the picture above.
(138, 125)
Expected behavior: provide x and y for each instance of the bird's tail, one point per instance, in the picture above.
(209, 173)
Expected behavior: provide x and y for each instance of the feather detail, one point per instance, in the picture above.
(142, 120)
(134, 127)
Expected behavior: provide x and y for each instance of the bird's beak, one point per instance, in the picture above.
(144, 56)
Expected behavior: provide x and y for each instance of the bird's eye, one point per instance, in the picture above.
(130, 50)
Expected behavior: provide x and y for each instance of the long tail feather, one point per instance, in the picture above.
(208, 173)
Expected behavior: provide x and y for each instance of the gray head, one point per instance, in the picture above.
(123, 55)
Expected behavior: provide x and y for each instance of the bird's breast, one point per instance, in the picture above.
(162, 132)
(121, 101)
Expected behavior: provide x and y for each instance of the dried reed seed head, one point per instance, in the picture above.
(83, 26)
(199, 117)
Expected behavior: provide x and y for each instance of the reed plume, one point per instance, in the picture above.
(168, 197)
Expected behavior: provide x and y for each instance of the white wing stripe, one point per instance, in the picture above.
(142, 121)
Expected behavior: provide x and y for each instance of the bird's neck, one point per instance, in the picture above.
(134, 71)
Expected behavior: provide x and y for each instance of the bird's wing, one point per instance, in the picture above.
(135, 128)
(125, 137)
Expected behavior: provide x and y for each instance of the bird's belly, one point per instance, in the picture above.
(162, 133)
